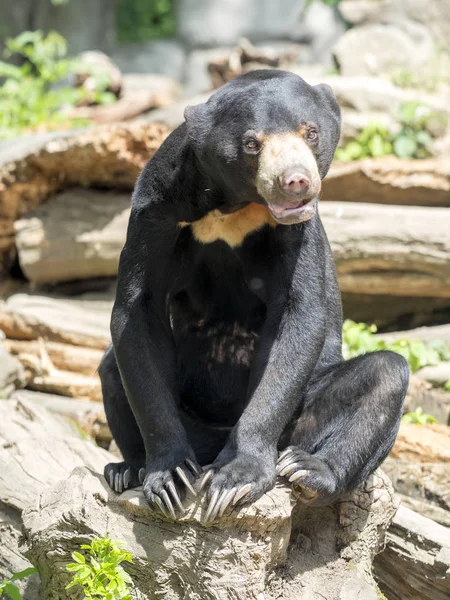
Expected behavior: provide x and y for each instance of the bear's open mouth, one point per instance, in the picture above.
(293, 211)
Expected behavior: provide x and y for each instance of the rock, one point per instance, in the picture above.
(77, 234)
(389, 250)
(390, 180)
(376, 49)
(12, 374)
(235, 558)
(32, 168)
(416, 562)
(160, 57)
(423, 443)
(81, 322)
(434, 17)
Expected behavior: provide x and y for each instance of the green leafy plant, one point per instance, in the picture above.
(418, 417)
(140, 20)
(359, 338)
(100, 574)
(8, 587)
(35, 94)
(447, 386)
(418, 127)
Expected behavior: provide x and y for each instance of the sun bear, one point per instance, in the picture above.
(226, 328)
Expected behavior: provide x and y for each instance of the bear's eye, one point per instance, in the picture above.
(251, 145)
(312, 134)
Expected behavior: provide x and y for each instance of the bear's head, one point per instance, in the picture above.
(267, 137)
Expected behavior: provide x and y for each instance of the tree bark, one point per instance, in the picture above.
(273, 546)
(32, 168)
(416, 562)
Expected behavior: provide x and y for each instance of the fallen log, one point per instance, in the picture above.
(415, 564)
(43, 376)
(65, 357)
(89, 416)
(390, 180)
(391, 250)
(37, 449)
(80, 323)
(271, 549)
(423, 443)
(77, 234)
(379, 250)
(32, 168)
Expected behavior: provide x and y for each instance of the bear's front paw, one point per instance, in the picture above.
(311, 478)
(243, 479)
(166, 480)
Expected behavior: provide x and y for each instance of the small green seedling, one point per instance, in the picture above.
(418, 417)
(10, 589)
(100, 573)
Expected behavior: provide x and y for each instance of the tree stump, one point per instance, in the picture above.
(274, 548)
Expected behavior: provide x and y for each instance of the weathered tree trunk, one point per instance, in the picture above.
(416, 562)
(32, 168)
(37, 449)
(273, 548)
(391, 250)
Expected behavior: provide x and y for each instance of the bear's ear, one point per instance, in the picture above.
(197, 121)
(327, 95)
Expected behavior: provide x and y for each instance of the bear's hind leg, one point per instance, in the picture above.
(347, 427)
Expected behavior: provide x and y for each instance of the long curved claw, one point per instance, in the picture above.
(167, 501)
(126, 478)
(211, 507)
(206, 477)
(288, 460)
(118, 483)
(111, 479)
(196, 469)
(283, 454)
(173, 490)
(297, 475)
(241, 493)
(226, 501)
(288, 469)
(182, 475)
(157, 500)
(217, 506)
(141, 475)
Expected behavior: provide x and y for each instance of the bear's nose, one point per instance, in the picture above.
(295, 181)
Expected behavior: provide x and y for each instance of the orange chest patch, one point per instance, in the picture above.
(231, 228)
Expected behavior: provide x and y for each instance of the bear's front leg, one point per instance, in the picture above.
(238, 477)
